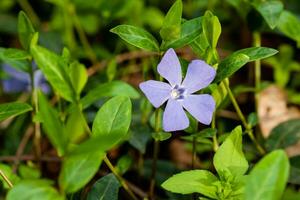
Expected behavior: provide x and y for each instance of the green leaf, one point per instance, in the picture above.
(211, 28)
(75, 128)
(171, 28)
(161, 136)
(113, 119)
(268, 178)
(29, 172)
(78, 76)
(52, 125)
(34, 190)
(110, 89)
(230, 157)
(16, 58)
(78, 170)
(200, 181)
(230, 65)
(289, 24)
(257, 53)
(235, 61)
(190, 30)
(106, 188)
(200, 45)
(54, 69)
(13, 109)
(284, 135)
(25, 30)
(137, 37)
(6, 169)
(270, 10)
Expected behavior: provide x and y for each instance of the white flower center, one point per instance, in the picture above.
(177, 93)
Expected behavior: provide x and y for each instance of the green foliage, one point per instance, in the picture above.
(6, 169)
(268, 178)
(13, 109)
(229, 157)
(78, 170)
(270, 10)
(284, 135)
(25, 30)
(171, 28)
(55, 70)
(78, 76)
(16, 58)
(188, 182)
(289, 24)
(111, 89)
(106, 188)
(137, 37)
(34, 190)
(51, 123)
(238, 59)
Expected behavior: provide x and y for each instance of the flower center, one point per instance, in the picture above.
(177, 92)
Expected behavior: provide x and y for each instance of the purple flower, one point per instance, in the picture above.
(179, 94)
(19, 81)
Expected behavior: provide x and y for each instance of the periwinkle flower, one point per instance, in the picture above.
(19, 81)
(179, 94)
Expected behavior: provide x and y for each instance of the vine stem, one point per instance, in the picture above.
(257, 67)
(107, 161)
(120, 178)
(215, 139)
(243, 119)
(6, 179)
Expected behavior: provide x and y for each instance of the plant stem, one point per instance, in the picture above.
(82, 36)
(257, 66)
(25, 5)
(243, 119)
(215, 139)
(194, 154)
(155, 155)
(120, 178)
(6, 179)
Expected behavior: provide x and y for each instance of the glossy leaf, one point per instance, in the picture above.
(54, 69)
(270, 10)
(190, 30)
(34, 190)
(78, 76)
(51, 124)
(268, 178)
(137, 37)
(171, 28)
(106, 188)
(161, 136)
(78, 170)
(15, 58)
(289, 24)
(200, 181)
(25, 30)
(13, 109)
(284, 135)
(238, 59)
(110, 89)
(211, 28)
(230, 157)
(113, 119)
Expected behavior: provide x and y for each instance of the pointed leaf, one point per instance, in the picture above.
(25, 30)
(13, 109)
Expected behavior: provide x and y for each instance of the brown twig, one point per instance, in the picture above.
(30, 158)
(22, 146)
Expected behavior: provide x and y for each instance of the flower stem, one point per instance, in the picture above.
(215, 139)
(257, 66)
(6, 179)
(120, 178)
(82, 36)
(243, 119)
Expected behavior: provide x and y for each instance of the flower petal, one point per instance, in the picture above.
(169, 68)
(200, 106)
(174, 117)
(157, 92)
(198, 76)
